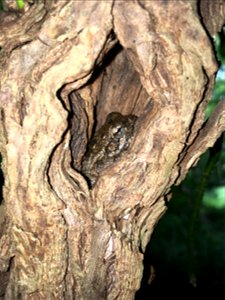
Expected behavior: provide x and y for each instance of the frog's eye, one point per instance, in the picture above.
(115, 128)
(120, 132)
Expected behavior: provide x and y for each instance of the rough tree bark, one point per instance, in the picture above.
(65, 65)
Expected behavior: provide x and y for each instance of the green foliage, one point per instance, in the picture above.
(20, 4)
(220, 46)
(212, 160)
(218, 93)
(215, 197)
(1, 5)
(219, 88)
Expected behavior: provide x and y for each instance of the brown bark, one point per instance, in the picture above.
(64, 67)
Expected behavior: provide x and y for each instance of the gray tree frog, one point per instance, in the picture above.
(107, 144)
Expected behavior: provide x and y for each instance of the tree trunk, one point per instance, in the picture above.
(65, 65)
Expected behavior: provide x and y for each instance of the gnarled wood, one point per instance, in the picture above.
(64, 67)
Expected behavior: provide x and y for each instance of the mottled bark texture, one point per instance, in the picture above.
(65, 65)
